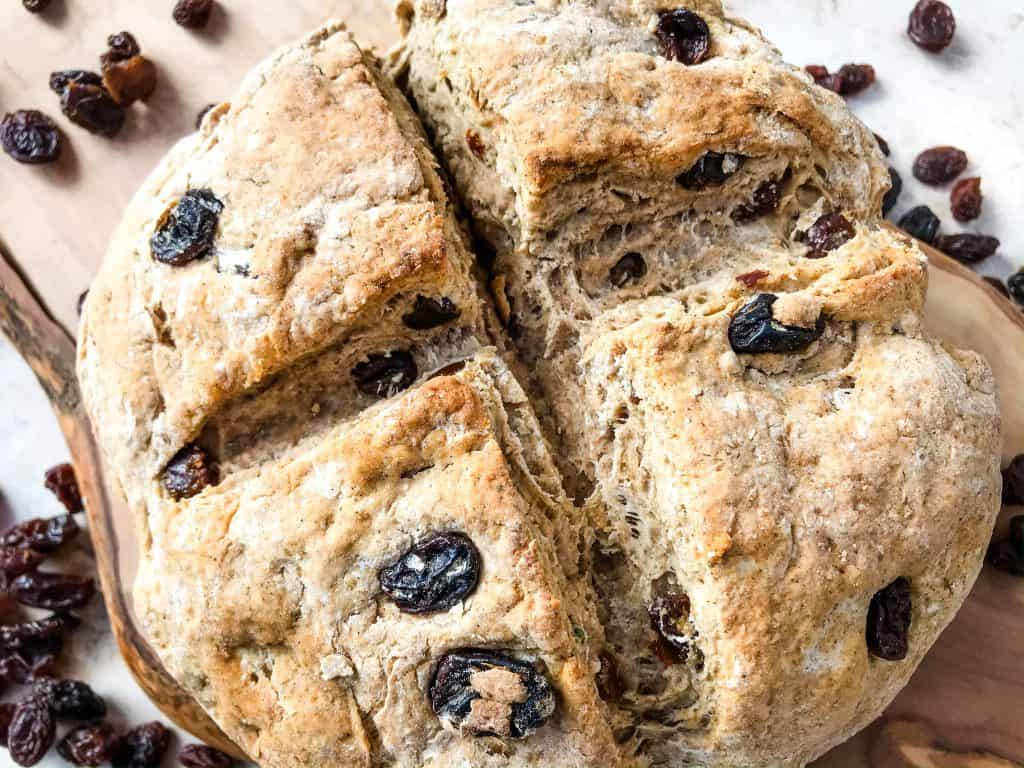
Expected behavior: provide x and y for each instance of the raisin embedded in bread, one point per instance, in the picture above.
(357, 548)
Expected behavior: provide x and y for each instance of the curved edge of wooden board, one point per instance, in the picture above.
(49, 350)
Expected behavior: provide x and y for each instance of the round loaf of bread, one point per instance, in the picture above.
(667, 473)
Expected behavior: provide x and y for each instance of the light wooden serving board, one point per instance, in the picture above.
(964, 707)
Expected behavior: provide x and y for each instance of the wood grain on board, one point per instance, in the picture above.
(962, 709)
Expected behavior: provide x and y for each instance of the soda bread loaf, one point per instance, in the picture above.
(357, 546)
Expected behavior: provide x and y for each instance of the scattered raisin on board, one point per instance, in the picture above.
(202, 756)
(1013, 482)
(932, 25)
(684, 36)
(142, 747)
(1015, 286)
(121, 47)
(53, 591)
(60, 80)
(966, 199)
(193, 14)
(32, 731)
(30, 137)
(92, 108)
(35, 6)
(893, 195)
(42, 534)
(850, 80)
(1008, 554)
(920, 222)
(882, 145)
(967, 248)
(129, 80)
(60, 480)
(70, 699)
(939, 165)
(89, 745)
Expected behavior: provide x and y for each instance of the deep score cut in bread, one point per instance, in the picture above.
(358, 545)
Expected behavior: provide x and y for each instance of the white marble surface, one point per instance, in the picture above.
(971, 96)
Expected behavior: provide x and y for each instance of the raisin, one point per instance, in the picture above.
(6, 716)
(998, 284)
(712, 170)
(42, 534)
(882, 145)
(190, 471)
(889, 621)
(62, 483)
(750, 279)
(967, 248)
(851, 79)
(1015, 287)
(187, 231)
(932, 25)
(387, 374)
(434, 575)
(476, 144)
(1013, 482)
(1008, 555)
(70, 699)
(89, 745)
(628, 269)
(32, 731)
(81, 301)
(966, 199)
(609, 682)
(489, 693)
(201, 756)
(59, 81)
(202, 114)
(35, 6)
(142, 747)
(90, 107)
(429, 313)
(53, 591)
(921, 223)
(120, 47)
(684, 36)
(765, 200)
(15, 561)
(36, 634)
(828, 233)
(193, 14)
(893, 195)
(130, 80)
(939, 165)
(30, 137)
(753, 330)
(669, 612)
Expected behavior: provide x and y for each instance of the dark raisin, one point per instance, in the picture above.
(42, 534)
(121, 47)
(202, 114)
(939, 165)
(89, 745)
(684, 36)
(90, 107)
(434, 575)
(628, 269)
(81, 301)
(15, 561)
(35, 634)
(921, 223)
(387, 374)
(59, 81)
(882, 144)
(998, 284)
(849, 80)
(190, 471)
(893, 195)
(967, 248)
(889, 621)
(1008, 555)
(489, 693)
(476, 144)
(932, 25)
(609, 682)
(15, 668)
(35, 6)
(828, 233)
(753, 330)
(765, 200)
(966, 199)
(1013, 482)
(669, 612)
(187, 231)
(193, 14)
(6, 716)
(712, 170)
(429, 313)
(30, 137)
(202, 756)
(142, 747)
(32, 731)
(70, 699)
(62, 483)
(1015, 287)
(53, 591)
(129, 81)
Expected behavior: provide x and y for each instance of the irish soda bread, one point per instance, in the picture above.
(769, 489)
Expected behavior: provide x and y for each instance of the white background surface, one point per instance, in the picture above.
(971, 96)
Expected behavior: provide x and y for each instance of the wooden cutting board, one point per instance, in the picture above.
(962, 708)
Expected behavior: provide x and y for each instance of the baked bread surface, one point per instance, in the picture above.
(775, 494)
